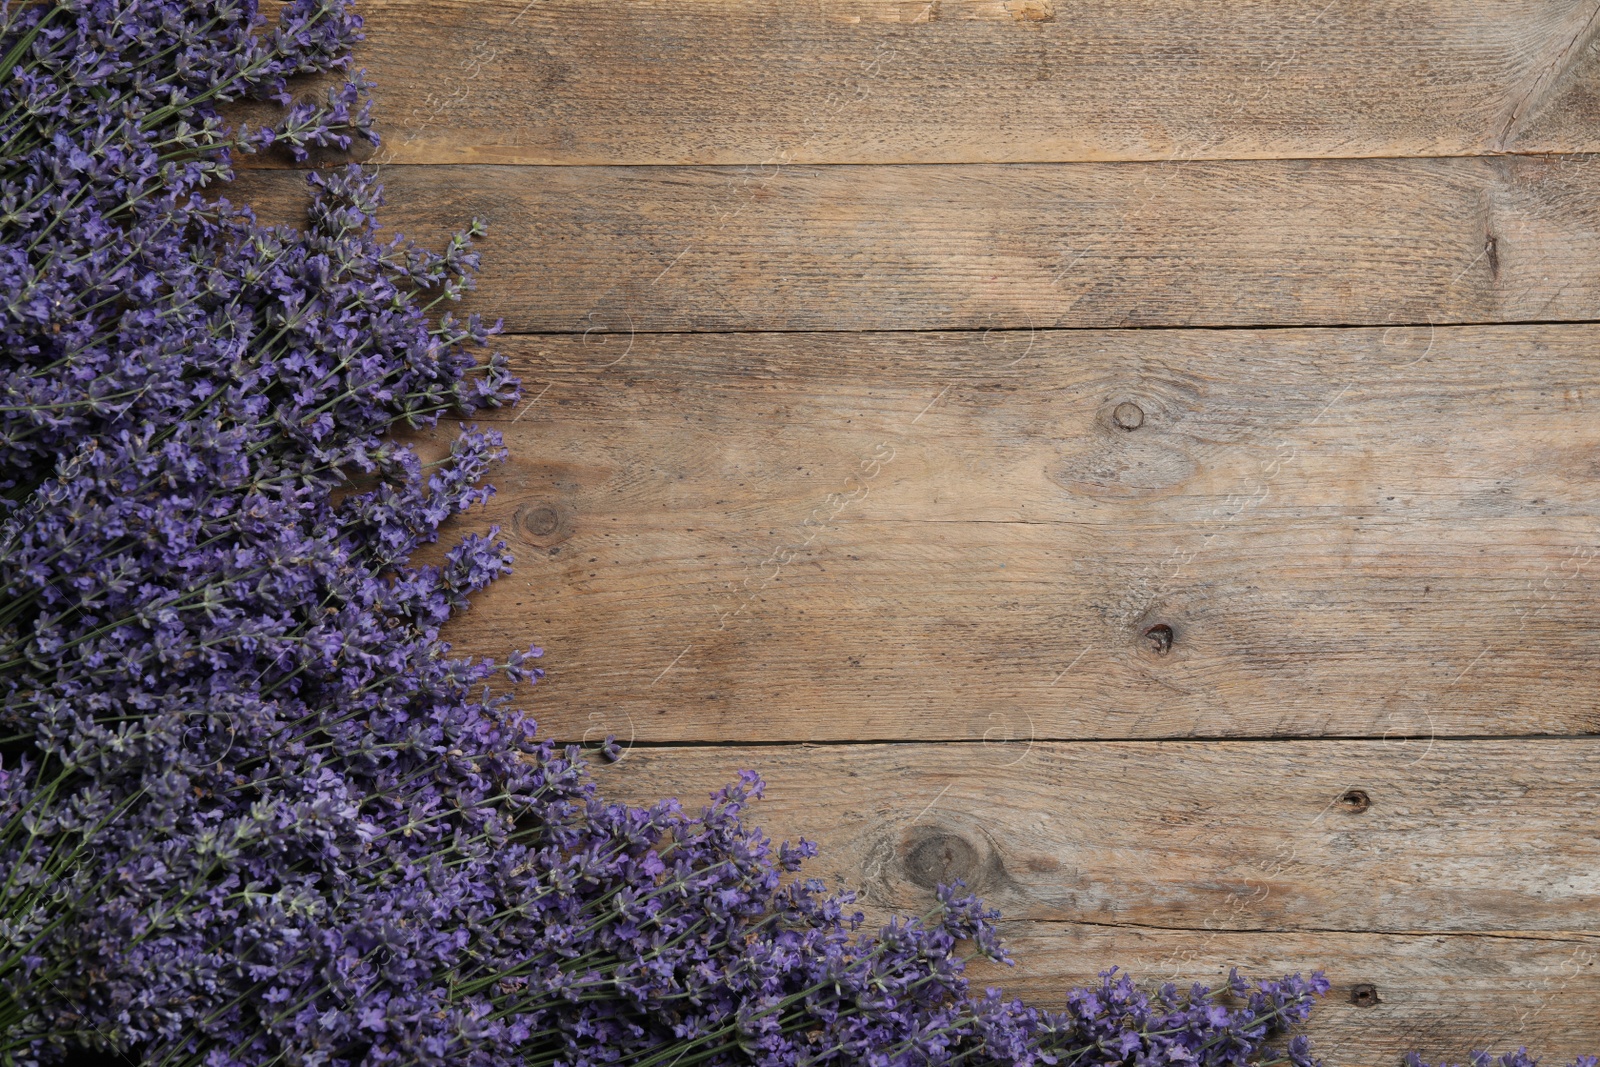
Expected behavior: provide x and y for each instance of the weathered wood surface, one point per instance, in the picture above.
(963, 81)
(1343, 836)
(1302, 242)
(1354, 532)
(1440, 996)
(1446, 889)
(1177, 861)
(836, 536)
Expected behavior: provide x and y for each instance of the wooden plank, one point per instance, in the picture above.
(1439, 996)
(1177, 861)
(1353, 532)
(979, 247)
(943, 81)
(1454, 836)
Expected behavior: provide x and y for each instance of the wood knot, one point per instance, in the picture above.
(1128, 415)
(933, 857)
(1159, 637)
(1364, 995)
(1355, 800)
(542, 525)
(1032, 10)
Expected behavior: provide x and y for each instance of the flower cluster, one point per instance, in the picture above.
(252, 810)
(1519, 1058)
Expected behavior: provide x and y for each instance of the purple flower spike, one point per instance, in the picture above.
(252, 809)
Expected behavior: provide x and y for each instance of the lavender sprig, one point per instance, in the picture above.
(252, 809)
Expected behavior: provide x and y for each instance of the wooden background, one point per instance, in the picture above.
(1133, 456)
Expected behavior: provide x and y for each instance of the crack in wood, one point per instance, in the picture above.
(1557, 937)
(1549, 78)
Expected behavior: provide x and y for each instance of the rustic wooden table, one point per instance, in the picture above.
(1133, 456)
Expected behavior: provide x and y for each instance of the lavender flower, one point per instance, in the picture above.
(1519, 1058)
(252, 810)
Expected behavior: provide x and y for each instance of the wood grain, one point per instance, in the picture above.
(977, 247)
(1180, 860)
(1361, 560)
(1354, 532)
(1452, 836)
(1438, 996)
(946, 81)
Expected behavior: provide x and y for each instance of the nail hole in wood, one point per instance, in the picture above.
(1364, 995)
(1355, 800)
(1160, 638)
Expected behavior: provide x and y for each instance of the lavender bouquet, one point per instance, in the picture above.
(252, 810)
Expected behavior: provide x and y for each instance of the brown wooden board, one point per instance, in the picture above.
(1361, 560)
(1355, 532)
(976, 81)
(1440, 996)
(1446, 889)
(1303, 242)
(1351, 836)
